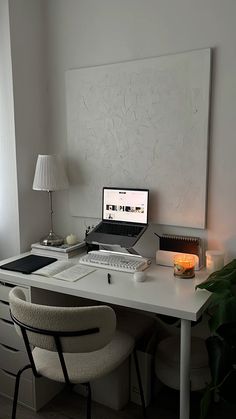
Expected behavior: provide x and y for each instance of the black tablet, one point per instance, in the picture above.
(28, 264)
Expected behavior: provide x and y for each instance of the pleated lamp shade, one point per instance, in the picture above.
(50, 174)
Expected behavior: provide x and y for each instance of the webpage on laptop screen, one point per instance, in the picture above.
(125, 205)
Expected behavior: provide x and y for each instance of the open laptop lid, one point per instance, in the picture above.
(125, 205)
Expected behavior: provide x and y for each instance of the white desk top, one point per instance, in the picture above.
(161, 292)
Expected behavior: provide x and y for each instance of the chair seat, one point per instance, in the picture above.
(167, 363)
(85, 367)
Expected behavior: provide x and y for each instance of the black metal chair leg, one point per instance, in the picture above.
(16, 391)
(139, 382)
(88, 401)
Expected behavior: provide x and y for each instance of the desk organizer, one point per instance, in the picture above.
(169, 245)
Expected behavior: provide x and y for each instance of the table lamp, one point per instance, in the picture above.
(50, 176)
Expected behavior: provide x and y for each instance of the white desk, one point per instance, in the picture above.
(161, 293)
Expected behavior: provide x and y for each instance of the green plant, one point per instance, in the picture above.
(221, 345)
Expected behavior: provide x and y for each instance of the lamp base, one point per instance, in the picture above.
(52, 240)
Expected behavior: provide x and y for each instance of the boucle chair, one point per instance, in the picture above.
(71, 345)
(167, 363)
(167, 356)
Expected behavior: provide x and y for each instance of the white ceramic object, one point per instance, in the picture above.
(139, 276)
(71, 239)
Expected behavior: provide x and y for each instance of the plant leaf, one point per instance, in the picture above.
(227, 389)
(217, 298)
(215, 285)
(228, 271)
(217, 350)
(224, 312)
(228, 332)
(205, 402)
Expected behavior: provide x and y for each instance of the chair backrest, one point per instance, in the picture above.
(80, 329)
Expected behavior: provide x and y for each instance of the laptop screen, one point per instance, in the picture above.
(128, 205)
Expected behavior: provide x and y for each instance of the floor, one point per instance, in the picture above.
(72, 406)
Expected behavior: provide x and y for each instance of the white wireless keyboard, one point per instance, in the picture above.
(115, 261)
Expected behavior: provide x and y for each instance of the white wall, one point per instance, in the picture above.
(24, 213)
(80, 33)
(89, 32)
(29, 63)
(9, 219)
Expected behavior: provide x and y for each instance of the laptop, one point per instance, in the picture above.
(124, 217)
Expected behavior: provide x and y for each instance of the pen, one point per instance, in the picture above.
(109, 278)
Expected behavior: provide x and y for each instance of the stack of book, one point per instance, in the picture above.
(64, 251)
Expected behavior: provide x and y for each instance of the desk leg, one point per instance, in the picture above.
(185, 353)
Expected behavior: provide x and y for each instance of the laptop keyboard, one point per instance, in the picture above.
(119, 229)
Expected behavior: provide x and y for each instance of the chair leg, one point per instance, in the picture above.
(16, 391)
(88, 401)
(139, 382)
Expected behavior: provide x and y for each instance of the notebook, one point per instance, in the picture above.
(28, 264)
(124, 217)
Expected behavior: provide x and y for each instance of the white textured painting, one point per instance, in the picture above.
(141, 124)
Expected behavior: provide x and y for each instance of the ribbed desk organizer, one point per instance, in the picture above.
(182, 244)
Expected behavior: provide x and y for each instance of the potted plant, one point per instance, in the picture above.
(221, 345)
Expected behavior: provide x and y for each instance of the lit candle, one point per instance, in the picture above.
(184, 266)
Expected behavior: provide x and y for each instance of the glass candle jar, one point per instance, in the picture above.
(214, 260)
(184, 266)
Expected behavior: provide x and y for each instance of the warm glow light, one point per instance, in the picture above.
(184, 266)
